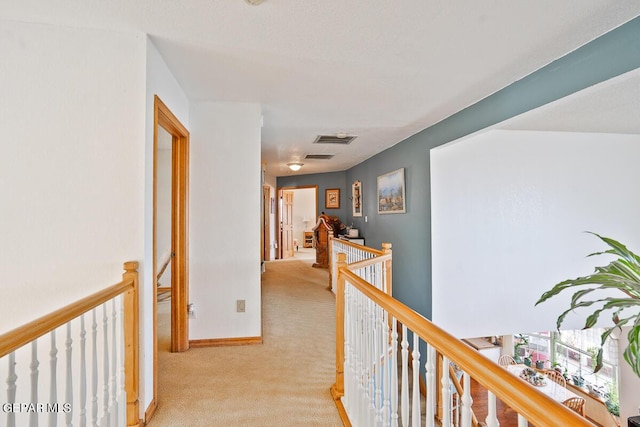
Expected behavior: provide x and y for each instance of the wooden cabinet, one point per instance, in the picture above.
(322, 231)
(308, 239)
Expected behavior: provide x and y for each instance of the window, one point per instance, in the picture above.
(575, 351)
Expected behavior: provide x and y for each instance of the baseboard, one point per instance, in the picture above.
(222, 342)
(151, 410)
(337, 399)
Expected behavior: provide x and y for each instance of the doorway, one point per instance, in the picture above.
(170, 224)
(297, 215)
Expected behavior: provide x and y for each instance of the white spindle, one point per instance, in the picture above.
(415, 406)
(387, 369)
(377, 366)
(467, 401)
(11, 389)
(369, 331)
(33, 416)
(492, 419)
(446, 393)
(94, 369)
(404, 396)
(69, 376)
(114, 364)
(105, 366)
(522, 421)
(394, 372)
(53, 383)
(430, 379)
(122, 403)
(83, 373)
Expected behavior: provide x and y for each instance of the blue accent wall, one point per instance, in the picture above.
(611, 55)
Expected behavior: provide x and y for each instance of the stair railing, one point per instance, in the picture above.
(95, 379)
(355, 253)
(380, 366)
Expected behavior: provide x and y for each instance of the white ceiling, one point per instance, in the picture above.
(381, 70)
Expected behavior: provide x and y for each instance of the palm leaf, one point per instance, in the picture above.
(622, 274)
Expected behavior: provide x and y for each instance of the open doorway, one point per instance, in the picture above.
(170, 226)
(297, 215)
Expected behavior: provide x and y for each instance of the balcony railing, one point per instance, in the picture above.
(94, 381)
(396, 368)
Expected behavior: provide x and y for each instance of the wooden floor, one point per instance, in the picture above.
(506, 416)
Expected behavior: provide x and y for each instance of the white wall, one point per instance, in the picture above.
(72, 164)
(159, 81)
(629, 383)
(224, 242)
(163, 207)
(509, 211)
(508, 214)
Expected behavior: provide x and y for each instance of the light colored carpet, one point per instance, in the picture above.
(283, 382)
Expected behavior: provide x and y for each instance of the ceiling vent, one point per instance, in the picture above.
(333, 139)
(319, 156)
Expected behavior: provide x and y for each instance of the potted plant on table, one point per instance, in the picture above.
(623, 275)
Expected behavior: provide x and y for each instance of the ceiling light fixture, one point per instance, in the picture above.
(295, 166)
(253, 2)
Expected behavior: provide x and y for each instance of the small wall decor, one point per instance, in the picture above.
(332, 198)
(391, 195)
(356, 198)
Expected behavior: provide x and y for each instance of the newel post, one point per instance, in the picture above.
(337, 391)
(131, 344)
(386, 249)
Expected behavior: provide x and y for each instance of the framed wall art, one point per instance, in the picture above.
(356, 198)
(391, 195)
(332, 198)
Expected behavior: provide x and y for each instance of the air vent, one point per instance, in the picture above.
(319, 156)
(333, 139)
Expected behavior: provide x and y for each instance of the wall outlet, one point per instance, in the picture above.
(240, 306)
(191, 309)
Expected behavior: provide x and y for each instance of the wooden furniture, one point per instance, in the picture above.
(551, 389)
(322, 231)
(506, 360)
(576, 404)
(556, 377)
(308, 239)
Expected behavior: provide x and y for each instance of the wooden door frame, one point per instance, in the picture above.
(265, 237)
(164, 118)
(279, 191)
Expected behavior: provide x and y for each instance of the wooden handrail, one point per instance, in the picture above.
(165, 264)
(515, 393)
(22, 335)
(376, 252)
(369, 261)
(16, 338)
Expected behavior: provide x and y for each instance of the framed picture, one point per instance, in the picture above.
(391, 195)
(356, 198)
(332, 198)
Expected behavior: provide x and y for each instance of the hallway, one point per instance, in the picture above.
(284, 381)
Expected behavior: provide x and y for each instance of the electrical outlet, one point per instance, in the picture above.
(240, 306)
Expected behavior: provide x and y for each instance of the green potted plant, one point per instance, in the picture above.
(521, 343)
(613, 401)
(621, 274)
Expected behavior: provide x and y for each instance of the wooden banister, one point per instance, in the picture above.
(337, 391)
(22, 335)
(515, 393)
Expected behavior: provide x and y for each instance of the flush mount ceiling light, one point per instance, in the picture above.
(253, 2)
(295, 166)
